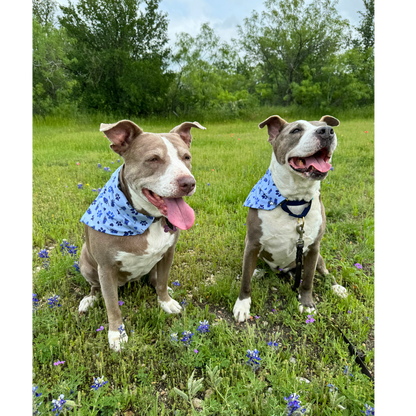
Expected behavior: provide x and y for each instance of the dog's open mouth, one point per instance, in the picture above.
(177, 211)
(316, 163)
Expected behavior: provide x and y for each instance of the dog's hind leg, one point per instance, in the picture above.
(91, 276)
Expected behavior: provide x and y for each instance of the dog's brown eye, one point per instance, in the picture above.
(154, 159)
(295, 131)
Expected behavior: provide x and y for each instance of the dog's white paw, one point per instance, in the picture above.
(258, 273)
(115, 338)
(241, 310)
(340, 291)
(307, 310)
(172, 306)
(86, 303)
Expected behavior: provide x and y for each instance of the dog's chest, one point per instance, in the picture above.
(158, 242)
(279, 235)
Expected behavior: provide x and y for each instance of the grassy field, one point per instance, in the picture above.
(144, 379)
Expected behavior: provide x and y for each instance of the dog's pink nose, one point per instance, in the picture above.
(186, 184)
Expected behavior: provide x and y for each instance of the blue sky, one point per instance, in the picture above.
(224, 15)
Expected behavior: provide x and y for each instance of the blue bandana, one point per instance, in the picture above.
(111, 213)
(264, 195)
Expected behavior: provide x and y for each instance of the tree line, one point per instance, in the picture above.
(113, 56)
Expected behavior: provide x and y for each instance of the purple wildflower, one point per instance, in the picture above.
(358, 265)
(100, 328)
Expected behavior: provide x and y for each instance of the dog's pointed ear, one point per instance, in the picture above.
(184, 130)
(331, 121)
(121, 134)
(275, 125)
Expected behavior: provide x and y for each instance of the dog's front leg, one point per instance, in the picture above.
(305, 289)
(168, 304)
(241, 310)
(109, 285)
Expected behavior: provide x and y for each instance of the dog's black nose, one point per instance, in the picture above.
(186, 184)
(326, 132)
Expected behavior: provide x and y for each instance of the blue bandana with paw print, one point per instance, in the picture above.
(111, 213)
(265, 194)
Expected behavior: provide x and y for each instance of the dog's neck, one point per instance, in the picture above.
(138, 202)
(291, 185)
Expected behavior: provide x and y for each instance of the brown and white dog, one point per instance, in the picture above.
(301, 154)
(156, 174)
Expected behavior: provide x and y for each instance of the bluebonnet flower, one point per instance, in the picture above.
(331, 387)
(70, 249)
(107, 169)
(64, 246)
(58, 404)
(187, 337)
(118, 160)
(99, 190)
(174, 336)
(184, 303)
(176, 283)
(346, 371)
(99, 166)
(80, 186)
(369, 410)
(204, 327)
(98, 382)
(43, 254)
(76, 265)
(273, 344)
(293, 405)
(35, 299)
(53, 301)
(253, 359)
(34, 388)
(94, 190)
(122, 331)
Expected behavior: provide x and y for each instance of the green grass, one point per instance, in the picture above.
(228, 159)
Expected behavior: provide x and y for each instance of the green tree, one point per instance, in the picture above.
(345, 81)
(208, 75)
(52, 83)
(120, 54)
(289, 36)
(366, 27)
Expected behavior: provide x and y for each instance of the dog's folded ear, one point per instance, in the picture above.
(275, 125)
(184, 131)
(121, 134)
(331, 121)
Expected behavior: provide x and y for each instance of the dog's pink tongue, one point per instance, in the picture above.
(317, 163)
(180, 213)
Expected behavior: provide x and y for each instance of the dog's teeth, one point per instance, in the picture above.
(300, 162)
